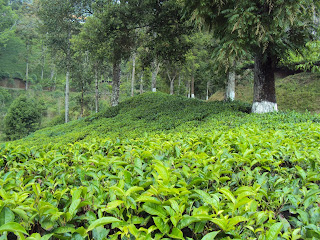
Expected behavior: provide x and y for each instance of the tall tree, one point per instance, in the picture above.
(27, 30)
(167, 33)
(264, 28)
(112, 29)
(61, 20)
(7, 23)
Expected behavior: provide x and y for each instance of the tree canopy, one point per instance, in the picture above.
(264, 28)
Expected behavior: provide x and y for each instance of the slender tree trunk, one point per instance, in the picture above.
(231, 85)
(188, 89)
(141, 83)
(27, 73)
(27, 66)
(82, 100)
(133, 73)
(52, 80)
(97, 90)
(171, 79)
(192, 85)
(68, 57)
(43, 62)
(115, 83)
(208, 85)
(179, 84)
(264, 94)
(66, 107)
(155, 70)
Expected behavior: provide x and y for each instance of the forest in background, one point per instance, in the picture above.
(105, 52)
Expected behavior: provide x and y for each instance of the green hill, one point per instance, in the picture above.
(158, 113)
(147, 113)
(165, 167)
(299, 92)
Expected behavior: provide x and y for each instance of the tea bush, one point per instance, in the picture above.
(220, 174)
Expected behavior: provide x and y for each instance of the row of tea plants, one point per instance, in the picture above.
(247, 182)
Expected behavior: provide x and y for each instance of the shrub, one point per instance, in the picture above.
(17, 75)
(23, 117)
(4, 74)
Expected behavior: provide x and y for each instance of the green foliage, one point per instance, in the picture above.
(229, 175)
(7, 24)
(267, 27)
(306, 59)
(4, 96)
(23, 117)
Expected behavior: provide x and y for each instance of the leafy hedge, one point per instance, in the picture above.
(226, 176)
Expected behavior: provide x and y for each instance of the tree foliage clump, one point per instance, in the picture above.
(23, 117)
(265, 29)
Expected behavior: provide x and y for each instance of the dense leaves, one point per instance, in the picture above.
(255, 179)
(23, 117)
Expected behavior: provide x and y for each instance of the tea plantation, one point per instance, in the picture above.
(165, 167)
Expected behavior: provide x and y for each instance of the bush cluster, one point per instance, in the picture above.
(23, 117)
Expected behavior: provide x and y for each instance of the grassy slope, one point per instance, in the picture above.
(159, 113)
(298, 92)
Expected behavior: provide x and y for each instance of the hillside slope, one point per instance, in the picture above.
(299, 92)
(159, 113)
(166, 167)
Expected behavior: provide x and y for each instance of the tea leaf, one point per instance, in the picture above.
(274, 231)
(101, 222)
(12, 227)
(210, 236)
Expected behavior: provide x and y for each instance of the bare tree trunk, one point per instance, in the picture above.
(66, 107)
(231, 85)
(97, 90)
(43, 61)
(27, 74)
(192, 85)
(133, 73)
(115, 83)
(179, 84)
(27, 67)
(82, 100)
(188, 89)
(208, 85)
(67, 81)
(264, 94)
(155, 70)
(141, 83)
(172, 81)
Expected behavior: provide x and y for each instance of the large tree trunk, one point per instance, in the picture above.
(97, 90)
(231, 85)
(115, 83)
(66, 107)
(133, 73)
(264, 95)
(155, 70)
